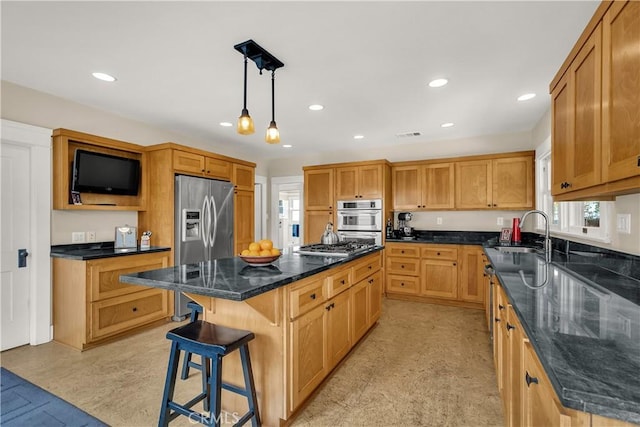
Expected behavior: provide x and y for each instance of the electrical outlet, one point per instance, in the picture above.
(77, 237)
(91, 236)
(500, 221)
(439, 220)
(623, 223)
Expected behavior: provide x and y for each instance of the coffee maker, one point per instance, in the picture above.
(403, 225)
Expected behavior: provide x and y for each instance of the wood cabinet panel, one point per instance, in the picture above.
(403, 284)
(472, 274)
(370, 182)
(359, 312)
(512, 180)
(366, 267)
(188, 162)
(346, 183)
(473, 184)
(403, 266)
(447, 252)
(218, 168)
(338, 329)
(439, 278)
(318, 189)
(338, 282)
(243, 177)
(561, 134)
(243, 222)
(406, 184)
(306, 294)
(620, 88)
(374, 297)
(438, 186)
(315, 223)
(409, 250)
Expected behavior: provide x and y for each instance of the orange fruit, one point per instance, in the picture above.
(245, 252)
(266, 244)
(275, 251)
(254, 253)
(254, 247)
(265, 252)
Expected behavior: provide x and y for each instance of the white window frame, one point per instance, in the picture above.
(571, 213)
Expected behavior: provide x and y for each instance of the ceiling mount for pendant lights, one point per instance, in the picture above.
(264, 61)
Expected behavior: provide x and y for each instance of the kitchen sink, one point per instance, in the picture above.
(516, 249)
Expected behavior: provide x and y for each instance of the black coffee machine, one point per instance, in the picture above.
(404, 230)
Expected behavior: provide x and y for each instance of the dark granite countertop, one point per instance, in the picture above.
(583, 320)
(233, 279)
(88, 251)
(450, 237)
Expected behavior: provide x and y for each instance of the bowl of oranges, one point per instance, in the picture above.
(260, 253)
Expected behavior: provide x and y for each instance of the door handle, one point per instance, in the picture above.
(22, 258)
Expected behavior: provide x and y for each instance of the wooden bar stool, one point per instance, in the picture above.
(212, 342)
(196, 309)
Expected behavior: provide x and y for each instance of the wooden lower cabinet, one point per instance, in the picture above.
(338, 328)
(436, 273)
(90, 304)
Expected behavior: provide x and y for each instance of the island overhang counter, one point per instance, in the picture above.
(307, 313)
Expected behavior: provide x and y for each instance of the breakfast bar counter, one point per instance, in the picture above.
(307, 312)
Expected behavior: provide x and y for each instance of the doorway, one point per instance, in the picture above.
(287, 214)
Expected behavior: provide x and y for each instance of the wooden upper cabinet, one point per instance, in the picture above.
(473, 184)
(185, 161)
(243, 177)
(500, 183)
(318, 189)
(315, 223)
(620, 89)
(423, 187)
(576, 104)
(512, 180)
(359, 182)
(217, 168)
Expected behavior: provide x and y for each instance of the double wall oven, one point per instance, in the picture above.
(360, 220)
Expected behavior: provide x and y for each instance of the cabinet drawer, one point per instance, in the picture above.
(306, 295)
(403, 284)
(114, 315)
(403, 266)
(367, 267)
(188, 162)
(338, 282)
(411, 251)
(103, 276)
(444, 252)
(217, 168)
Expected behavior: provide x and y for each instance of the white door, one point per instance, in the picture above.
(25, 223)
(15, 215)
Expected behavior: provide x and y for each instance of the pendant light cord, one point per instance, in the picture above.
(245, 83)
(273, 92)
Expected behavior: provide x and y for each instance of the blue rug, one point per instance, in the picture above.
(26, 404)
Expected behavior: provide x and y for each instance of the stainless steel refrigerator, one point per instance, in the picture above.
(204, 225)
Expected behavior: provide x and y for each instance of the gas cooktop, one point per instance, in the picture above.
(342, 249)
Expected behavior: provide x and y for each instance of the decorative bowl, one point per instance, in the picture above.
(259, 261)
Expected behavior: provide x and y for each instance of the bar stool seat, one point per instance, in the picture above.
(212, 342)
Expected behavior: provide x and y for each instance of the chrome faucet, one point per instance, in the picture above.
(547, 239)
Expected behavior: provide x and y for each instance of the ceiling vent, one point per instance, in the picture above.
(408, 134)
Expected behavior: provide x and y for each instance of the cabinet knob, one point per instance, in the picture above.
(489, 205)
(402, 266)
(135, 309)
(312, 296)
(500, 307)
(510, 326)
(496, 319)
(370, 281)
(401, 283)
(370, 267)
(330, 207)
(202, 170)
(529, 379)
(438, 254)
(342, 282)
(455, 263)
(495, 204)
(401, 252)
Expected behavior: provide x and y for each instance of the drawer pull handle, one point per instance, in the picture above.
(529, 379)
(402, 284)
(455, 263)
(370, 281)
(496, 319)
(500, 307)
(312, 296)
(510, 326)
(438, 254)
(370, 267)
(135, 308)
(342, 282)
(401, 252)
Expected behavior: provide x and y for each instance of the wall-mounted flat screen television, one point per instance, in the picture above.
(105, 174)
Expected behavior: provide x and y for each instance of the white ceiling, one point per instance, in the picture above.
(368, 63)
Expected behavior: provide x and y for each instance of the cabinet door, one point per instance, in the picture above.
(407, 190)
(410, 250)
(347, 183)
(512, 183)
(516, 339)
(315, 223)
(439, 278)
(620, 89)
(243, 228)
(188, 162)
(243, 177)
(369, 182)
(403, 284)
(338, 329)
(561, 135)
(359, 318)
(438, 190)
(499, 317)
(218, 168)
(318, 189)
(471, 275)
(308, 353)
(473, 184)
(374, 297)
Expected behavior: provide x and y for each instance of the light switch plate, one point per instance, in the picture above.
(623, 223)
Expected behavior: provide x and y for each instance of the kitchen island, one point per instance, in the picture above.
(581, 321)
(307, 313)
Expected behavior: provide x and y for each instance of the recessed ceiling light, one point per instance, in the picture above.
(104, 76)
(316, 107)
(287, 146)
(358, 137)
(226, 124)
(526, 96)
(438, 82)
(446, 125)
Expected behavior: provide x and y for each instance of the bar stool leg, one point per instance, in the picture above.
(169, 385)
(250, 385)
(214, 390)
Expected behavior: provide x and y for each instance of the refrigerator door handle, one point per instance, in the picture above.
(213, 208)
(205, 221)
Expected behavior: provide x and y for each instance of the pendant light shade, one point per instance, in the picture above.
(245, 122)
(264, 61)
(273, 134)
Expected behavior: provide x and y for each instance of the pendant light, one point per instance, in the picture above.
(273, 134)
(264, 61)
(245, 122)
